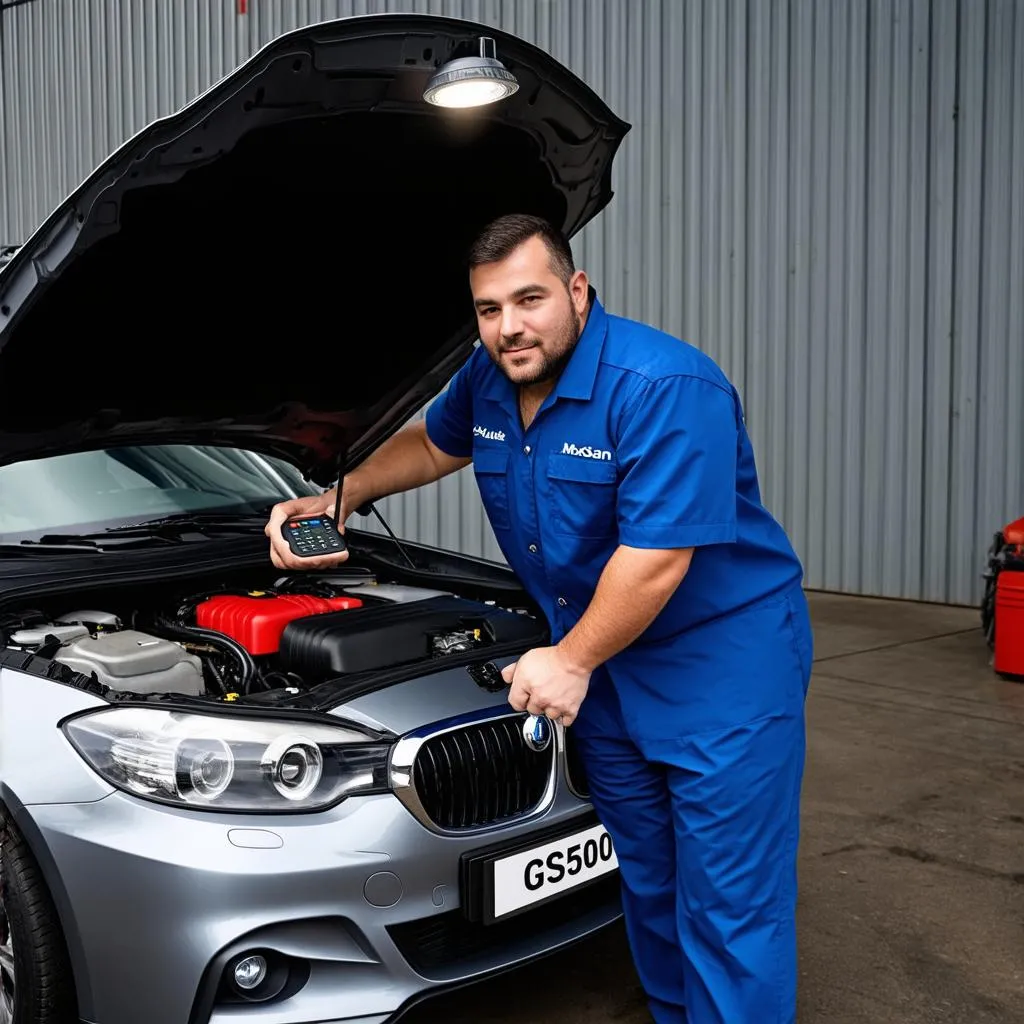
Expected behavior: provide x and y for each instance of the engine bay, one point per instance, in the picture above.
(258, 637)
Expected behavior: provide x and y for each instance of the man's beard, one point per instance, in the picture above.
(554, 363)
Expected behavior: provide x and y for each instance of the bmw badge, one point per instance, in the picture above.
(537, 732)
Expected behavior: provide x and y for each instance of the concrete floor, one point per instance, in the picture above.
(912, 858)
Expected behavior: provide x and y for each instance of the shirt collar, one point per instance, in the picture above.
(577, 379)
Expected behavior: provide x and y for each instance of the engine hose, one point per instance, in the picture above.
(286, 679)
(179, 631)
(217, 677)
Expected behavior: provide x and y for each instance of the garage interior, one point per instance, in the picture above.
(829, 198)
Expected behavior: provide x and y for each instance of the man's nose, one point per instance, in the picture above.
(511, 327)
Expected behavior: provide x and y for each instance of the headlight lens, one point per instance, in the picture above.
(219, 763)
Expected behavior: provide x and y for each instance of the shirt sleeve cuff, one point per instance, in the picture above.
(676, 536)
(450, 443)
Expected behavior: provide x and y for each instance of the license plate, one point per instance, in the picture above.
(536, 875)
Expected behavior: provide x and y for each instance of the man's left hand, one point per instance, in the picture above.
(544, 682)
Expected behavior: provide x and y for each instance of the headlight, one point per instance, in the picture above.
(218, 763)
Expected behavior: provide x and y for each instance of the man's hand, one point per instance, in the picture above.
(281, 554)
(545, 682)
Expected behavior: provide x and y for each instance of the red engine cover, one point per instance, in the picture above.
(257, 621)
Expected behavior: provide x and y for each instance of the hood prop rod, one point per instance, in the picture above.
(365, 510)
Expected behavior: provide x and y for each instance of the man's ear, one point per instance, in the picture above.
(579, 291)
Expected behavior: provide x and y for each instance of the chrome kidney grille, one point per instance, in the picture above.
(481, 774)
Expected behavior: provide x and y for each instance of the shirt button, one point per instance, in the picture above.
(562, 602)
(533, 549)
(527, 449)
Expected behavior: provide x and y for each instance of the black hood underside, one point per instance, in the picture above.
(281, 265)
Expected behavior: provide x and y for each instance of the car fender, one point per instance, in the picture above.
(21, 816)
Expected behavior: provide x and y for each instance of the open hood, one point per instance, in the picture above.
(280, 264)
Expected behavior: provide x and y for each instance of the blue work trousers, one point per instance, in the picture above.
(695, 762)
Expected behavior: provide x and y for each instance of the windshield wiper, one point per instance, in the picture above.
(35, 547)
(54, 543)
(91, 541)
(201, 521)
(165, 530)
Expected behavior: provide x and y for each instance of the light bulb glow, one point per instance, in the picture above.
(470, 82)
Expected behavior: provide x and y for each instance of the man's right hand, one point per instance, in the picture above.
(280, 553)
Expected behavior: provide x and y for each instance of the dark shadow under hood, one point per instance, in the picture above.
(280, 264)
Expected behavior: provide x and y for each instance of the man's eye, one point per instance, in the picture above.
(531, 298)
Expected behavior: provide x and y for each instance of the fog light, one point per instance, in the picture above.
(250, 972)
(261, 976)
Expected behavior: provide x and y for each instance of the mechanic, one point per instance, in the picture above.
(618, 477)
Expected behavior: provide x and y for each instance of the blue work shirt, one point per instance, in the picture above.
(641, 442)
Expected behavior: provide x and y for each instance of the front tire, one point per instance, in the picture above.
(36, 986)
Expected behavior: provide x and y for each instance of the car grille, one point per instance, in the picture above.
(481, 775)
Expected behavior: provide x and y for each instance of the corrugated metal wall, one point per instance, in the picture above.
(827, 197)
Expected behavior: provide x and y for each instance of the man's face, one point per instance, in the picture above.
(529, 319)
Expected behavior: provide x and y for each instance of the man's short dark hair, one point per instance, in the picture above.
(501, 237)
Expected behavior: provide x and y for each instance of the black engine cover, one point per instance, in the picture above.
(379, 637)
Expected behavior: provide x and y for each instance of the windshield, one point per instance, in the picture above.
(91, 491)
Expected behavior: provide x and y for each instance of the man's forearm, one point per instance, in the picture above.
(632, 590)
(405, 461)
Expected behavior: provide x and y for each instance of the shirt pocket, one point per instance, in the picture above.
(583, 494)
(491, 468)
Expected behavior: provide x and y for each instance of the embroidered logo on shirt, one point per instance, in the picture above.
(489, 435)
(586, 452)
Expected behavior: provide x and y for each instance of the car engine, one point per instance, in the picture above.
(235, 642)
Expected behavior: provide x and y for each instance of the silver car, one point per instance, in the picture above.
(228, 794)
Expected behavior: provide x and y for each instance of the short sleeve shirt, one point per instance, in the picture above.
(641, 443)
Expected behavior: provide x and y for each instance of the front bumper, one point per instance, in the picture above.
(156, 901)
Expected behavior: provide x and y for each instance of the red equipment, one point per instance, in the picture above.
(1014, 535)
(1002, 610)
(257, 620)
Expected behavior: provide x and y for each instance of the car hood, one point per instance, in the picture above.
(280, 264)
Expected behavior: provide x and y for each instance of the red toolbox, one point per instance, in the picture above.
(1009, 632)
(1002, 611)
